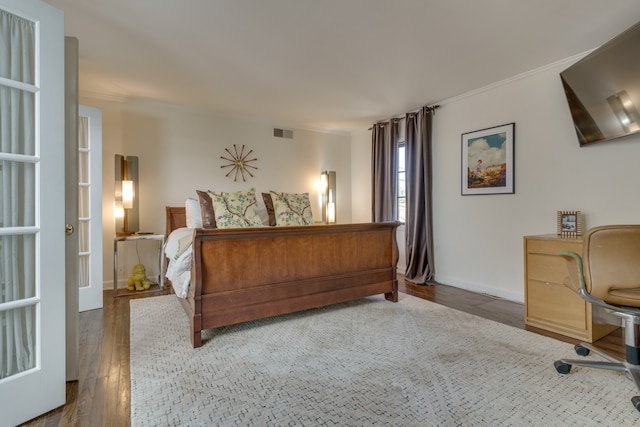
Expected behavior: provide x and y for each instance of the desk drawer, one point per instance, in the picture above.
(546, 268)
(553, 246)
(555, 303)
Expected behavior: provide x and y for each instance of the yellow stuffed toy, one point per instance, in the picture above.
(138, 279)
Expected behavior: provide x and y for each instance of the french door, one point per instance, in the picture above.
(32, 276)
(90, 208)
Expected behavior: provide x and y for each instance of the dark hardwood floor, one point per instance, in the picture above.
(102, 394)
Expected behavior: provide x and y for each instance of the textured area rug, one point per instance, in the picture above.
(364, 363)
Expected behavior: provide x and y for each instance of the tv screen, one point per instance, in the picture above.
(603, 89)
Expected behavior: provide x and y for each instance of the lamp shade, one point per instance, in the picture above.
(331, 212)
(127, 194)
(324, 182)
(118, 210)
(328, 196)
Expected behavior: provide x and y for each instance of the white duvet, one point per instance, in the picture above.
(179, 251)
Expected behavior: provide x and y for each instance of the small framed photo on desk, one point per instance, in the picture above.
(569, 223)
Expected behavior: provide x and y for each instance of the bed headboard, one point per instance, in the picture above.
(176, 218)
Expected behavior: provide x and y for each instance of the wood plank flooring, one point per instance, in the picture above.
(102, 395)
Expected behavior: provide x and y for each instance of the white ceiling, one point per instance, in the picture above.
(332, 65)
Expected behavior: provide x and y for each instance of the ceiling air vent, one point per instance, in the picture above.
(283, 133)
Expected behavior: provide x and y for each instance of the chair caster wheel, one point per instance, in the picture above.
(581, 351)
(562, 368)
(636, 402)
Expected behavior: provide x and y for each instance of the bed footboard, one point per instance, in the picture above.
(251, 273)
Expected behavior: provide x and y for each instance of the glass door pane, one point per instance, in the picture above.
(84, 203)
(90, 279)
(18, 175)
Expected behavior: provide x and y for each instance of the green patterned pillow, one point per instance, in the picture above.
(235, 210)
(292, 209)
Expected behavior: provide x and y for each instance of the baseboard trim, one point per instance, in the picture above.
(482, 289)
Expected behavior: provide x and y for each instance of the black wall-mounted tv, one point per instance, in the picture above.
(603, 89)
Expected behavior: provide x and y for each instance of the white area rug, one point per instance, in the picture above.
(364, 363)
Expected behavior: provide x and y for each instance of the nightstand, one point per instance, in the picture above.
(134, 238)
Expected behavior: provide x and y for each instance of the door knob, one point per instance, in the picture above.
(68, 229)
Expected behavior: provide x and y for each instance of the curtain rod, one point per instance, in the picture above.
(427, 107)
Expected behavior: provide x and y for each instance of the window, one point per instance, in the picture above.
(402, 184)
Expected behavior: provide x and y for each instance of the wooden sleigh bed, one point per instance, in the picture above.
(245, 274)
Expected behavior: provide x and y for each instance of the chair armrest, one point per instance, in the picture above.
(576, 276)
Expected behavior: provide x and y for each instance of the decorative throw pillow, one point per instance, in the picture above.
(268, 203)
(208, 219)
(292, 209)
(234, 210)
(193, 213)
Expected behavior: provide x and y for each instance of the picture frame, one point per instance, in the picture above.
(488, 161)
(569, 223)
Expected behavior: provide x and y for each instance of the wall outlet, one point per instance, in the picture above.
(121, 270)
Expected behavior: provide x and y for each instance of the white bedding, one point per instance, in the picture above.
(178, 250)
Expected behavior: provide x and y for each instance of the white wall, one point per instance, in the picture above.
(361, 175)
(179, 151)
(479, 239)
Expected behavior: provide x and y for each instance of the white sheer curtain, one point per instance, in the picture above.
(17, 195)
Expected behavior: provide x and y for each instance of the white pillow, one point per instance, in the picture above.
(194, 213)
(172, 244)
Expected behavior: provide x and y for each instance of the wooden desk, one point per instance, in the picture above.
(549, 304)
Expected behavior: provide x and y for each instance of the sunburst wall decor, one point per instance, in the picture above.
(239, 163)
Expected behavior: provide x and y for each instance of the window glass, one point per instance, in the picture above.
(402, 185)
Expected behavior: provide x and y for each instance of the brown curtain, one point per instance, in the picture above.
(419, 228)
(384, 171)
